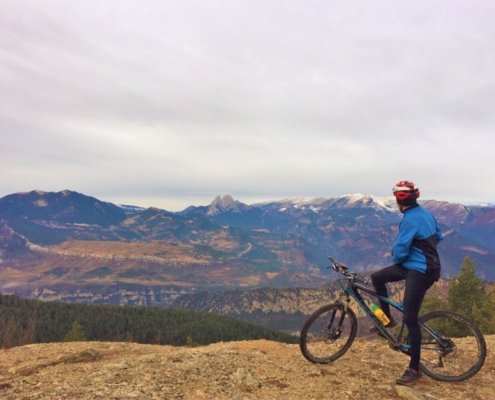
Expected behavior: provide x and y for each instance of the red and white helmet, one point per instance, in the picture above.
(405, 192)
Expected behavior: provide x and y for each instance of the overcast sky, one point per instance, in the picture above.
(170, 103)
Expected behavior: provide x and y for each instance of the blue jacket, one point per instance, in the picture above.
(416, 243)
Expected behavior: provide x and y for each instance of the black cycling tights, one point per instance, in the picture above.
(417, 283)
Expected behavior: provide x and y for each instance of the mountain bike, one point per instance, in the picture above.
(452, 347)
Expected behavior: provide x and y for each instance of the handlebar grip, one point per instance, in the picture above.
(342, 267)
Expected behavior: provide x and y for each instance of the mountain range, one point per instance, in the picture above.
(70, 246)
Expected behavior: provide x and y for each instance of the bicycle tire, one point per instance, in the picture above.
(317, 338)
(462, 343)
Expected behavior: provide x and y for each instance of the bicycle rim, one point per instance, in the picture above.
(328, 333)
(452, 347)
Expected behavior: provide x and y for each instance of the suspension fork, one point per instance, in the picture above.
(341, 321)
(345, 306)
(332, 317)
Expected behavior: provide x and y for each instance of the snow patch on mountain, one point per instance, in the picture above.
(368, 200)
(130, 209)
(347, 201)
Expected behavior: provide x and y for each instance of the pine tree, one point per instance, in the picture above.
(433, 302)
(76, 333)
(190, 341)
(467, 294)
(466, 291)
(489, 309)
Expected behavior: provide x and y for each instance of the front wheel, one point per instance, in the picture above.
(328, 333)
(452, 346)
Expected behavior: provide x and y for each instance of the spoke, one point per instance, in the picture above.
(447, 347)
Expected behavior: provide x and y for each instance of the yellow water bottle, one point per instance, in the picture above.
(382, 317)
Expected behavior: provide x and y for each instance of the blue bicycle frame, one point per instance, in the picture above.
(351, 290)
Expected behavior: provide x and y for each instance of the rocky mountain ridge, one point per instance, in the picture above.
(284, 309)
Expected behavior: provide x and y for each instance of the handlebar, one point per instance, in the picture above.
(344, 270)
(337, 266)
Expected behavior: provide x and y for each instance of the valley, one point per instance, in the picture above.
(71, 247)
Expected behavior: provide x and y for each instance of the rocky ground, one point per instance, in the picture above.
(236, 370)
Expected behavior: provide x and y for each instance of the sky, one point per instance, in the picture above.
(171, 103)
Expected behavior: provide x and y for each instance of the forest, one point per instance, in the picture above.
(25, 321)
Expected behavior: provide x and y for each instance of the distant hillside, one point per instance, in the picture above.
(31, 321)
(72, 247)
(280, 309)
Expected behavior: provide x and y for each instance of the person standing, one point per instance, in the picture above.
(416, 261)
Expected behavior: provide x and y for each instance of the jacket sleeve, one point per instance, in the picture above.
(400, 250)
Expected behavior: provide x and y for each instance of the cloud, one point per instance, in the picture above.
(186, 98)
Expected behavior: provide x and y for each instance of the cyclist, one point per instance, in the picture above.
(417, 262)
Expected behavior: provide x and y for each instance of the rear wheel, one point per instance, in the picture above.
(328, 333)
(452, 346)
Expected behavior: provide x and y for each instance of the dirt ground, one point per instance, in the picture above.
(236, 370)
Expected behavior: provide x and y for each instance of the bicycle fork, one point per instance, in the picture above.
(335, 333)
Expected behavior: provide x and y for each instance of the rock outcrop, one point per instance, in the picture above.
(236, 370)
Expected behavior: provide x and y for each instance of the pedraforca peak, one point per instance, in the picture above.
(223, 203)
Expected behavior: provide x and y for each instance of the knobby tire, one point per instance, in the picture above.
(466, 345)
(315, 333)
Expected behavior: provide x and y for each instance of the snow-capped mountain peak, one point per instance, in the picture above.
(368, 200)
(347, 201)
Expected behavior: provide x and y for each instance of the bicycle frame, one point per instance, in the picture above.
(352, 288)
